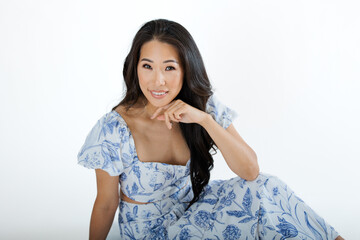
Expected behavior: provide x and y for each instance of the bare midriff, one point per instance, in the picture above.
(129, 200)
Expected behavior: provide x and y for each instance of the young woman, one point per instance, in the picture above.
(156, 144)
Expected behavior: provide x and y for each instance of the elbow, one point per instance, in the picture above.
(253, 171)
(249, 170)
(252, 174)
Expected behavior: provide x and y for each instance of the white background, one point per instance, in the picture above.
(289, 68)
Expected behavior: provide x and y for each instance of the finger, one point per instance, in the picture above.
(172, 117)
(156, 113)
(169, 105)
(174, 110)
(178, 112)
(161, 117)
(167, 120)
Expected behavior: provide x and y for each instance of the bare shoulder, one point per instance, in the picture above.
(121, 110)
(135, 117)
(129, 112)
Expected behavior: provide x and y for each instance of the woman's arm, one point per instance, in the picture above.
(239, 156)
(106, 203)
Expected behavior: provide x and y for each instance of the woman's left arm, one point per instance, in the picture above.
(239, 156)
(241, 159)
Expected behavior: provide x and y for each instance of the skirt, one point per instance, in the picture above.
(265, 208)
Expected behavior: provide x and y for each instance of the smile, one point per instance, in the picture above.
(158, 95)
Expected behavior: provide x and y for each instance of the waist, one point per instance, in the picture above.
(134, 211)
(127, 199)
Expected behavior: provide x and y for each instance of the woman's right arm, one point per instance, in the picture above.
(105, 206)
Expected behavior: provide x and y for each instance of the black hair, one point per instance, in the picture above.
(196, 90)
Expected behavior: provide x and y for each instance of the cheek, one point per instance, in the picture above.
(180, 79)
(176, 80)
(142, 79)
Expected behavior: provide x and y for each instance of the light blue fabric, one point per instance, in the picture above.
(265, 208)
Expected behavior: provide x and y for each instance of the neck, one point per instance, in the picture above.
(149, 109)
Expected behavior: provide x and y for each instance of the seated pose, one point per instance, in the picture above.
(157, 145)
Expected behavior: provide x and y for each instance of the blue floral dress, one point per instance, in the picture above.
(265, 208)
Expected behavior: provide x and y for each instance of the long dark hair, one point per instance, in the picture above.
(195, 91)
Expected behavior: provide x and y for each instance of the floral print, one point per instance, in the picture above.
(265, 208)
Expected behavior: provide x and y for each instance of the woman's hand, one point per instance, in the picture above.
(178, 111)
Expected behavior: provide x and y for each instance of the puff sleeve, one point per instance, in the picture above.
(102, 149)
(220, 112)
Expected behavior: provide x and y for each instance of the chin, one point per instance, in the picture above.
(161, 102)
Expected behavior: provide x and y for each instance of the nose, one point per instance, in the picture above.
(159, 78)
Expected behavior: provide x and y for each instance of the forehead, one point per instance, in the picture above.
(156, 50)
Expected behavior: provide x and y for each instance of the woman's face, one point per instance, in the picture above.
(160, 72)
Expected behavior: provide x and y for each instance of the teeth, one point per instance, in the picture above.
(159, 94)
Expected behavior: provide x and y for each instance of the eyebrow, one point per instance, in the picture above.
(166, 61)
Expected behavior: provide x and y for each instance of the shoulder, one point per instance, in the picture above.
(214, 106)
(102, 146)
(129, 113)
(220, 112)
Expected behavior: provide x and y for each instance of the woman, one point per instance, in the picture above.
(156, 143)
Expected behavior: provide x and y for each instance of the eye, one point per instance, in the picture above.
(147, 66)
(168, 68)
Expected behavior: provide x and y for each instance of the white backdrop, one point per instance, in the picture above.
(289, 68)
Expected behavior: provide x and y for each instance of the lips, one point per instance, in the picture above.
(158, 91)
(159, 94)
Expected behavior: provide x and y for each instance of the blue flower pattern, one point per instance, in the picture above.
(265, 208)
(286, 229)
(231, 232)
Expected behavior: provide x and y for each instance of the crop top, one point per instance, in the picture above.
(110, 146)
